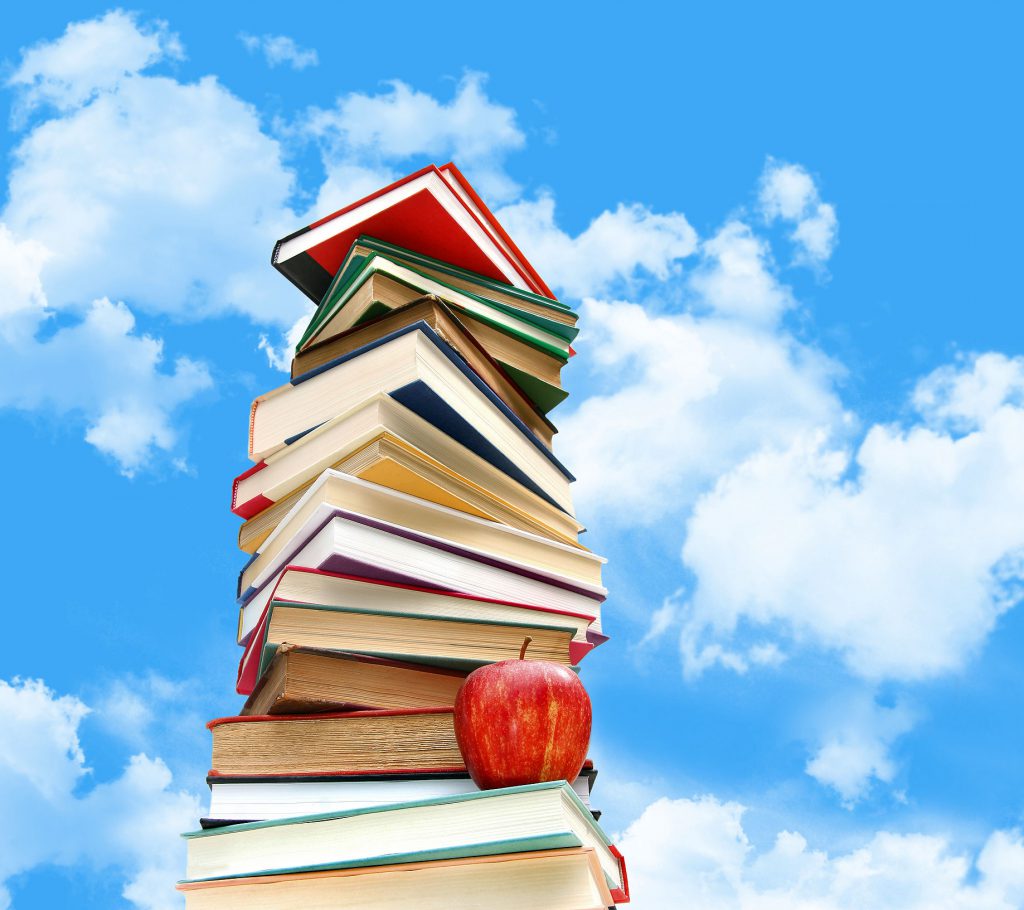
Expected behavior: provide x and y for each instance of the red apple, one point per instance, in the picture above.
(522, 722)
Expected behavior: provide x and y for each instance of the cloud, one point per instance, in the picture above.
(678, 399)
(101, 372)
(364, 136)
(695, 853)
(130, 824)
(279, 49)
(788, 193)
(90, 57)
(616, 246)
(133, 200)
(900, 554)
(856, 747)
(280, 356)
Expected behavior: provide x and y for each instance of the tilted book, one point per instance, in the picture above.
(434, 210)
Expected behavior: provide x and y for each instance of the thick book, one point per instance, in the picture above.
(513, 819)
(309, 680)
(250, 799)
(423, 461)
(337, 493)
(392, 462)
(458, 643)
(567, 879)
(416, 368)
(496, 357)
(348, 742)
(324, 590)
(434, 210)
(379, 283)
(353, 544)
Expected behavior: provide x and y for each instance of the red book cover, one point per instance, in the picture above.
(421, 212)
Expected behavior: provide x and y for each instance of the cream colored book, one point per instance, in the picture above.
(541, 816)
(569, 879)
(422, 460)
(421, 372)
(334, 492)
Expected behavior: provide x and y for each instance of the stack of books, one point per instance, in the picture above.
(407, 522)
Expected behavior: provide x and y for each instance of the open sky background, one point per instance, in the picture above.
(797, 414)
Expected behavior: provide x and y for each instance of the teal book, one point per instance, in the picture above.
(533, 817)
(549, 329)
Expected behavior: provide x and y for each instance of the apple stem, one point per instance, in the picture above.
(526, 644)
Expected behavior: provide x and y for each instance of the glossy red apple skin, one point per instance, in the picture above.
(522, 722)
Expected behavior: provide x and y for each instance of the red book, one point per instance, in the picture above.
(434, 211)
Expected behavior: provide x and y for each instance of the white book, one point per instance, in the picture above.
(335, 491)
(260, 800)
(514, 819)
(349, 546)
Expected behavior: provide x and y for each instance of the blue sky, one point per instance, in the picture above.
(797, 414)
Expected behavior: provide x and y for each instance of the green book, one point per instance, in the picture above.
(535, 326)
(365, 245)
(484, 823)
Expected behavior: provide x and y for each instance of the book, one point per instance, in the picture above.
(459, 643)
(352, 741)
(305, 680)
(416, 368)
(238, 799)
(353, 544)
(568, 879)
(420, 459)
(336, 493)
(379, 284)
(392, 462)
(513, 819)
(434, 210)
(477, 344)
(296, 586)
(461, 278)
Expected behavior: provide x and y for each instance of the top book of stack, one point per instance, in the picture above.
(433, 211)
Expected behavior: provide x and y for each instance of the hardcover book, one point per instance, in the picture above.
(498, 358)
(430, 465)
(325, 590)
(514, 819)
(416, 368)
(570, 879)
(434, 210)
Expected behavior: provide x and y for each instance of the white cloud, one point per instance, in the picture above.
(687, 396)
(280, 356)
(695, 853)
(90, 57)
(401, 124)
(856, 748)
(900, 555)
(100, 371)
(616, 246)
(735, 277)
(278, 49)
(788, 193)
(164, 194)
(130, 823)
(22, 299)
